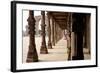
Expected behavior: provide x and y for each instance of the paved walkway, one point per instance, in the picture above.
(58, 53)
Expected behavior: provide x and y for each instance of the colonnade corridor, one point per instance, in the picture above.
(56, 36)
(57, 53)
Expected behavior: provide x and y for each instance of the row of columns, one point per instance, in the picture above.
(32, 55)
(77, 26)
(54, 31)
(58, 33)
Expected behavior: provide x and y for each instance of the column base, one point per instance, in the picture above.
(53, 44)
(43, 50)
(32, 55)
(32, 58)
(29, 60)
(78, 58)
(69, 54)
(49, 46)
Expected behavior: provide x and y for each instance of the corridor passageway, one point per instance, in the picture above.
(64, 36)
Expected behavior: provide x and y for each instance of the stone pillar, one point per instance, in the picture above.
(49, 32)
(32, 53)
(88, 33)
(70, 40)
(55, 32)
(53, 42)
(78, 28)
(43, 49)
(73, 49)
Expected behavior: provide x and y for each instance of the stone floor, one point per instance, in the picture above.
(58, 53)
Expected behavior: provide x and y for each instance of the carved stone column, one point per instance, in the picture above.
(43, 49)
(32, 53)
(49, 32)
